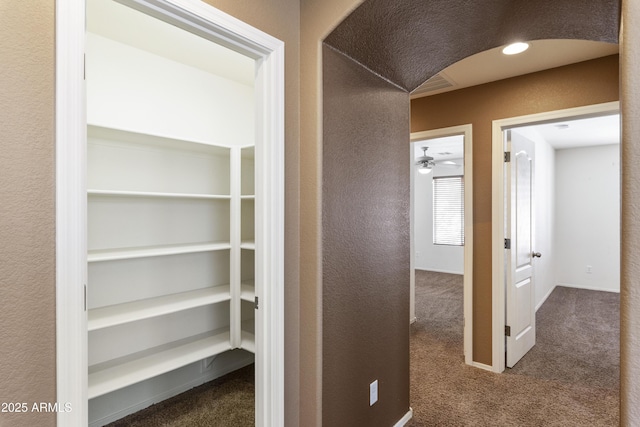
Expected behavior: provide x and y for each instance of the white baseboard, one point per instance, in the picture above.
(216, 372)
(436, 270)
(544, 298)
(412, 321)
(404, 419)
(589, 288)
(482, 366)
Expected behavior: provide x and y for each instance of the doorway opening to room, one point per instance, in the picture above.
(170, 206)
(441, 219)
(571, 240)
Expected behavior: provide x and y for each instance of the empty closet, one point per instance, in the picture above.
(170, 210)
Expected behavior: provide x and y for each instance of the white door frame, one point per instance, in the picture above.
(71, 207)
(497, 208)
(466, 131)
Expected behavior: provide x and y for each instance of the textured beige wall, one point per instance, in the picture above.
(630, 251)
(27, 229)
(365, 265)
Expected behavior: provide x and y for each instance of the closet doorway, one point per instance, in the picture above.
(170, 205)
(447, 160)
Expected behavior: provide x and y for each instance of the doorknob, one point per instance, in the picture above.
(536, 254)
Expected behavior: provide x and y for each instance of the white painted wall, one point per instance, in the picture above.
(447, 259)
(132, 89)
(588, 217)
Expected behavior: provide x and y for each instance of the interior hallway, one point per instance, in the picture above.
(570, 378)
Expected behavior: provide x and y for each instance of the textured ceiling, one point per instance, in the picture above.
(408, 41)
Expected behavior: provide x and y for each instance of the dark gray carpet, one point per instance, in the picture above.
(570, 378)
(225, 402)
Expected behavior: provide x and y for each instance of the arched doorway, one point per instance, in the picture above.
(369, 65)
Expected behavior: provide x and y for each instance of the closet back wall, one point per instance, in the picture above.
(134, 95)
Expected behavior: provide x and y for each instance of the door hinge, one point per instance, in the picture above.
(256, 303)
(507, 156)
(507, 330)
(507, 243)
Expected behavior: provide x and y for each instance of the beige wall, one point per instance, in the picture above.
(586, 83)
(27, 194)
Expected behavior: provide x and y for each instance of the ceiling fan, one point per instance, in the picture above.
(427, 163)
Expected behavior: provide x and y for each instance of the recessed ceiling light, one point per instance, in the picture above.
(515, 48)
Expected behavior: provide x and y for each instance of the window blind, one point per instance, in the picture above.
(448, 210)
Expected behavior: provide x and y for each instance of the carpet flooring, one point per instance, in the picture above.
(225, 402)
(570, 378)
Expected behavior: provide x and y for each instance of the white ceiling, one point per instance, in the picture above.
(584, 132)
(446, 148)
(493, 65)
(591, 131)
(126, 25)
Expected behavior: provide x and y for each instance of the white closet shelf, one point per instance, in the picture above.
(248, 197)
(92, 192)
(114, 375)
(152, 251)
(248, 244)
(247, 291)
(113, 315)
(158, 140)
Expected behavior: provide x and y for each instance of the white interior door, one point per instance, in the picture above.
(520, 302)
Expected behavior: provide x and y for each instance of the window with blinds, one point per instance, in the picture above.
(448, 210)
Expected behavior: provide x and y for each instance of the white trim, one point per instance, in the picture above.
(71, 249)
(404, 420)
(467, 131)
(588, 288)
(71, 329)
(436, 270)
(483, 366)
(497, 208)
(544, 298)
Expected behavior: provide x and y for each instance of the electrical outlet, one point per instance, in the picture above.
(589, 269)
(373, 392)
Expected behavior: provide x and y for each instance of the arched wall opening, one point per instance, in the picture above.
(370, 63)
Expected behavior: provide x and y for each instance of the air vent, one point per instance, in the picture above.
(437, 82)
